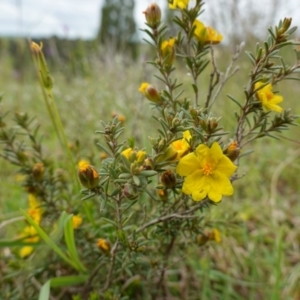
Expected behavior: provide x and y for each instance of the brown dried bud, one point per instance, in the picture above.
(168, 179)
(153, 15)
(38, 171)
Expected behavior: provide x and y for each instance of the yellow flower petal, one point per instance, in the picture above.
(76, 221)
(182, 146)
(127, 152)
(268, 99)
(195, 181)
(182, 4)
(25, 251)
(187, 165)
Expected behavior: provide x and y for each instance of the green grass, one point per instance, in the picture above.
(259, 254)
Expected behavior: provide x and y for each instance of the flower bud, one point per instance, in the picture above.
(38, 171)
(212, 124)
(168, 155)
(88, 176)
(163, 194)
(168, 179)
(104, 245)
(202, 239)
(37, 53)
(140, 156)
(168, 52)
(232, 151)
(153, 15)
(148, 164)
(150, 92)
(214, 235)
(103, 155)
(130, 192)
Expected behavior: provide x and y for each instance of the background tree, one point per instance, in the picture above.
(118, 28)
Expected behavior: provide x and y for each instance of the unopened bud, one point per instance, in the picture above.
(148, 164)
(38, 171)
(214, 235)
(104, 245)
(150, 92)
(88, 176)
(37, 53)
(153, 15)
(168, 155)
(140, 156)
(232, 151)
(168, 179)
(163, 194)
(168, 52)
(202, 239)
(212, 124)
(130, 192)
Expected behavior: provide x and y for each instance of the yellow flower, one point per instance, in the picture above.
(150, 92)
(25, 251)
(140, 156)
(268, 99)
(30, 234)
(121, 118)
(77, 220)
(132, 155)
(168, 51)
(104, 245)
(207, 172)
(215, 235)
(182, 4)
(182, 146)
(82, 163)
(206, 35)
(127, 153)
(35, 211)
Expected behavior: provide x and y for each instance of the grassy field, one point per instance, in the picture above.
(259, 256)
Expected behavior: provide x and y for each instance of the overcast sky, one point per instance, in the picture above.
(66, 18)
(78, 18)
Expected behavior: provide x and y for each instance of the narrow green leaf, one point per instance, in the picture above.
(235, 101)
(60, 282)
(17, 243)
(251, 57)
(57, 233)
(136, 180)
(49, 241)
(70, 242)
(110, 221)
(68, 280)
(45, 291)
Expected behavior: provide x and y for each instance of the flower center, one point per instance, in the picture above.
(269, 95)
(207, 169)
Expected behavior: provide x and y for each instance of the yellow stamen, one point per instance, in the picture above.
(207, 169)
